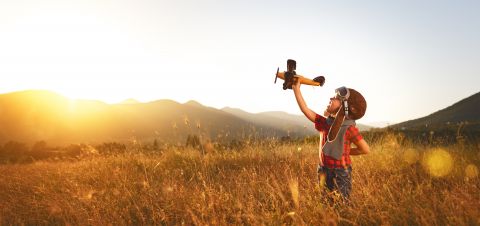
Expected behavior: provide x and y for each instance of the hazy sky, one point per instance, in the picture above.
(409, 59)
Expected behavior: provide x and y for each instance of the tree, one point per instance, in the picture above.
(39, 150)
(13, 151)
(15, 148)
(39, 146)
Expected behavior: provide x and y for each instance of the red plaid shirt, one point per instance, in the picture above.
(351, 135)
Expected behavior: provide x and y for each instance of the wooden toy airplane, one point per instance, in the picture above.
(290, 77)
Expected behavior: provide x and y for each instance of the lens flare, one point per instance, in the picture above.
(438, 163)
(471, 171)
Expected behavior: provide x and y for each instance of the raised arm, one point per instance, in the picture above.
(301, 102)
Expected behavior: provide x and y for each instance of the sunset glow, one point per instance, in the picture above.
(225, 53)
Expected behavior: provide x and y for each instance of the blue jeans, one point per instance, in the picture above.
(339, 179)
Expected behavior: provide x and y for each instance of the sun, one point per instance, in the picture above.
(89, 92)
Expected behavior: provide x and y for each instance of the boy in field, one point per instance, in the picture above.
(337, 128)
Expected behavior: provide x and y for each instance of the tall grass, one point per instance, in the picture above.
(398, 183)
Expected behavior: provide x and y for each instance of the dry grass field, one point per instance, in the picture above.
(398, 183)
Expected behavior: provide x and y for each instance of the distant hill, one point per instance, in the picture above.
(130, 101)
(380, 124)
(30, 116)
(281, 120)
(466, 111)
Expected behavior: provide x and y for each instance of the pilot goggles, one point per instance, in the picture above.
(343, 94)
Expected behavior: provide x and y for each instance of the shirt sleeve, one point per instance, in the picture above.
(354, 134)
(321, 123)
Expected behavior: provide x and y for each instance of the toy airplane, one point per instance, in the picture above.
(290, 77)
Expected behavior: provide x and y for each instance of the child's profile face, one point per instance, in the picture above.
(333, 105)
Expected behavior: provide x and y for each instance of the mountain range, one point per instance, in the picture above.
(279, 119)
(30, 116)
(34, 115)
(465, 112)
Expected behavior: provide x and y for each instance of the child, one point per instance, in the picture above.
(339, 130)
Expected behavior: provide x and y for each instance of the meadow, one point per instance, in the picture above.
(275, 183)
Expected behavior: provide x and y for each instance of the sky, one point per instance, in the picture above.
(408, 58)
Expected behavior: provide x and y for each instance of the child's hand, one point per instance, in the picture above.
(326, 114)
(296, 84)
